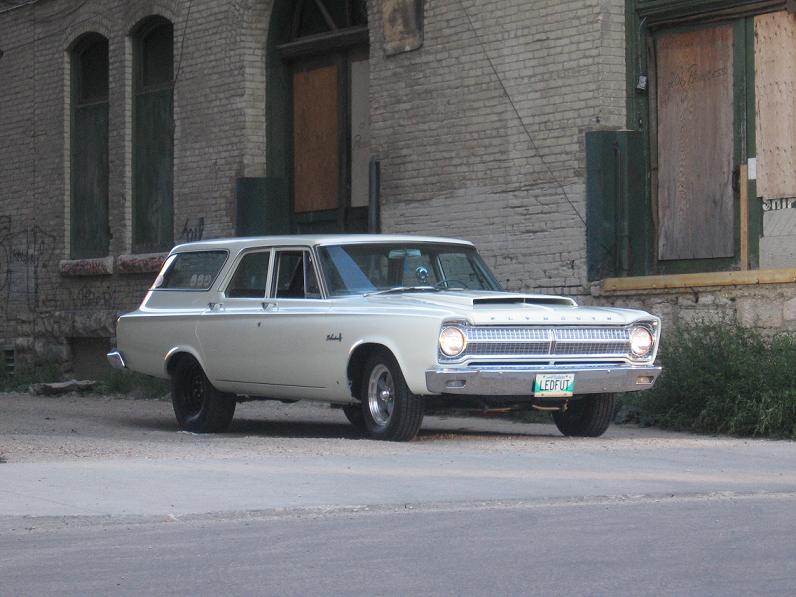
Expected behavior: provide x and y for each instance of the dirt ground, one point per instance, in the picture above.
(73, 427)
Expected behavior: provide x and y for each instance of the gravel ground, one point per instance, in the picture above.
(72, 427)
(102, 495)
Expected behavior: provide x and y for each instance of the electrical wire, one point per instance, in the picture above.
(17, 6)
(182, 43)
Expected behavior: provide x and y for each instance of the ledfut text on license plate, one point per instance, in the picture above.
(554, 385)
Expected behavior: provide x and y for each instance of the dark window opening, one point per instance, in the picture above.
(153, 136)
(89, 229)
(157, 64)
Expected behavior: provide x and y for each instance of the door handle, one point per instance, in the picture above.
(215, 306)
(269, 305)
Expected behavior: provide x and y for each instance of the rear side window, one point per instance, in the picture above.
(249, 279)
(191, 271)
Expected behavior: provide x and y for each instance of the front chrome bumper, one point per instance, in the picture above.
(116, 360)
(518, 380)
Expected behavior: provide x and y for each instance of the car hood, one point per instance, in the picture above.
(505, 308)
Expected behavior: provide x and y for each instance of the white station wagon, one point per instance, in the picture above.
(383, 326)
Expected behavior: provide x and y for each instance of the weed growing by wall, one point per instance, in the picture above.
(720, 377)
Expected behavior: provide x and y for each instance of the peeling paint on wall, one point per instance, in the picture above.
(403, 25)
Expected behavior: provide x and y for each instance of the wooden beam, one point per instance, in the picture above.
(680, 281)
(669, 12)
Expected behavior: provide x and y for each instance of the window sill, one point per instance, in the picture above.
(682, 281)
(98, 266)
(143, 263)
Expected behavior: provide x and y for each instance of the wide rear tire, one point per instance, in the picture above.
(589, 416)
(389, 410)
(198, 406)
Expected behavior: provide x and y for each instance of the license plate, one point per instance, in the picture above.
(554, 385)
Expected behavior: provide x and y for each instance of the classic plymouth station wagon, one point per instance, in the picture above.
(382, 326)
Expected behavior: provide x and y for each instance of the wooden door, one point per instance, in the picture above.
(695, 143)
(316, 138)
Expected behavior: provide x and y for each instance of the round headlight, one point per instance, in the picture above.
(452, 341)
(640, 341)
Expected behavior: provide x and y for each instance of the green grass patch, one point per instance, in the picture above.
(134, 385)
(23, 377)
(720, 377)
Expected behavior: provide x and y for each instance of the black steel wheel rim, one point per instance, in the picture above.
(194, 393)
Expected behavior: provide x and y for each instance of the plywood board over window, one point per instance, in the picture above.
(696, 206)
(775, 97)
(315, 138)
(775, 93)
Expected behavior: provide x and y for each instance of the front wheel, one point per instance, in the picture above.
(389, 410)
(198, 406)
(588, 416)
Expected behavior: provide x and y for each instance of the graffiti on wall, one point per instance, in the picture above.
(192, 230)
(24, 254)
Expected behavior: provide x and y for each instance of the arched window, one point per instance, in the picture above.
(153, 135)
(89, 231)
(323, 57)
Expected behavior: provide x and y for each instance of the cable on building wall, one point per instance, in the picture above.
(539, 154)
(17, 5)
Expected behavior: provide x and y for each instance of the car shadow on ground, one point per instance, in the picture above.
(326, 430)
(432, 430)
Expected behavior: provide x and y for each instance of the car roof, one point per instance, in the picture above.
(241, 243)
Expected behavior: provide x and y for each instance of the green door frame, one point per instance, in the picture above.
(644, 19)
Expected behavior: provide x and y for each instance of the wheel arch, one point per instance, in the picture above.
(176, 354)
(358, 358)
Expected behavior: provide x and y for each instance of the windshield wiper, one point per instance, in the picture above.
(403, 289)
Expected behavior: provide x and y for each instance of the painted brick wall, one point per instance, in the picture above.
(455, 156)
(219, 135)
(456, 159)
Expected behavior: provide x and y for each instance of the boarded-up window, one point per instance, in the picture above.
(315, 138)
(89, 234)
(153, 137)
(695, 144)
(325, 51)
(775, 93)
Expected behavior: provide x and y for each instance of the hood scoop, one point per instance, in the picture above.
(526, 300)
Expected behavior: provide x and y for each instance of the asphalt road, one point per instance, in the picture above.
(102, 496)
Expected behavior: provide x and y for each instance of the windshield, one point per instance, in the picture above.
(384, 267)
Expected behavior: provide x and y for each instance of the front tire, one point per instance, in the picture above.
(389, 410)
(198, 406)
(589, 416)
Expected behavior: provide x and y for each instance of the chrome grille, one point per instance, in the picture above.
(540, 341)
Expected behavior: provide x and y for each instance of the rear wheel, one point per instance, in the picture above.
(198, 406)
(389, 410)
(589, 416)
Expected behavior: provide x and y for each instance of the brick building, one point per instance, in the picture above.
(557, 135)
